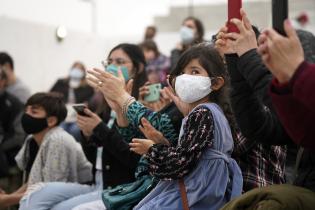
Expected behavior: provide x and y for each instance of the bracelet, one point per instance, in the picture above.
(126, 104)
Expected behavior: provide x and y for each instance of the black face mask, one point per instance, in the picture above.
(32, 125)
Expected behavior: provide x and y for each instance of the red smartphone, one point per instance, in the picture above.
(234, 7)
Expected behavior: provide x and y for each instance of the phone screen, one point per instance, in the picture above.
(234, 7)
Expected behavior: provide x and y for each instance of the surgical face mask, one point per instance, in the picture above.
(76, 76)
(32, 125)
(190, 88)
(114, 69)
(186, 35)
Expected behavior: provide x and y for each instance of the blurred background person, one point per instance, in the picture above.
(14, 85)
(158, 65)
(150, 33)
(11, 133)
(191, 32)
(74, 90)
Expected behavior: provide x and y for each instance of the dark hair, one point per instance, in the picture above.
(150, 45)
(210, 59)
(147, 35)
(52, 103)
(137, 57)
(5, 58)
(199, 27)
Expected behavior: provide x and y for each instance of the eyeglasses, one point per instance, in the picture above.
(117, 61)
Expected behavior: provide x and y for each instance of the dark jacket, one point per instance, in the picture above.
(251, 103)
(11, 132)
(262, 123)
(82, 93)
(118, 162)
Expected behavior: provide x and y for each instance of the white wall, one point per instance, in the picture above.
(39, 58)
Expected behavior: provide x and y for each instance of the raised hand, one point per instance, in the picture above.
(282, 55)
(151, 133)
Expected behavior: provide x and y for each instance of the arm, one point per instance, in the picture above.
(303, 85)
(257, 122)
(114, 143)
(256, 74)
(297, 119)
(14, 198)
(169, 162)
(161, 121)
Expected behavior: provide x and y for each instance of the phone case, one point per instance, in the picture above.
(79, 108)
(279, 14)
(154, 94)
(234, 7)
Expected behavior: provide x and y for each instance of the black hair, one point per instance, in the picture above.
(210, 59)
(136, 55)
(200, 29)
(5, 58)
(51, 102)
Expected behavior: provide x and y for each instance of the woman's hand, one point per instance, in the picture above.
(183, 107)
(112, 87)
(151, 133)
(88, 123)
(141, 146)
(224, 45)
(282, 55)
(245, 40)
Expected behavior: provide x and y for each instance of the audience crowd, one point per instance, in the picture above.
(220, 124)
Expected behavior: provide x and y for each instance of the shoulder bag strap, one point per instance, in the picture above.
(183, 194)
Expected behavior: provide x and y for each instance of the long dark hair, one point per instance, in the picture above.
(137, 57)
(210, 59)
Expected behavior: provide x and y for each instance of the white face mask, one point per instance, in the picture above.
(76, 73)
(186, 35)
(74, 83)
(190, 88)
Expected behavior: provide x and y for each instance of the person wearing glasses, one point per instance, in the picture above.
(104, 146)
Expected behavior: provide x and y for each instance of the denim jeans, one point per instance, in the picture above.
(60, 196)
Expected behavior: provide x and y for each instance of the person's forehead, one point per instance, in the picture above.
(36, 107)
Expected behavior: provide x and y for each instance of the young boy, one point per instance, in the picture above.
(49, 154)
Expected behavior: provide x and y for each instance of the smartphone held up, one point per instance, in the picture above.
(234, 7)
(279, 15)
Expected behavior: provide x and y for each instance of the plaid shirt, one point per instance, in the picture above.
(261, 165)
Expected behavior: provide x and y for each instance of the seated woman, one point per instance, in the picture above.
(202, 158)
(49, 154)
(114, 163)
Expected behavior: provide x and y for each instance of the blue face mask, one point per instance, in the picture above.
(114, 69)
